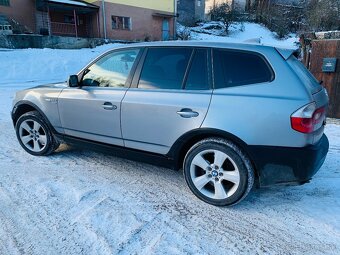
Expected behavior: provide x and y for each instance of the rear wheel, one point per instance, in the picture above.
(34, 135)
(218, 172)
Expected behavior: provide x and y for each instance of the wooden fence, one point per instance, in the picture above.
(321, 49)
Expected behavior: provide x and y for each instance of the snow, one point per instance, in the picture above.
(240, 32)
(83, 202)
(44, 65)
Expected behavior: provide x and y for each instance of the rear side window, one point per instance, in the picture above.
(198, 73)
(237, 68)
(164, 68)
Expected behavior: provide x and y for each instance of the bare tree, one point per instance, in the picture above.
(224, 13)
(323, 15)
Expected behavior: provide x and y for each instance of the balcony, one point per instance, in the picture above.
(59, 28)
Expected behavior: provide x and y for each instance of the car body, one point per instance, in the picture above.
(257, 103)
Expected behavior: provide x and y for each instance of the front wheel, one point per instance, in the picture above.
(34, 135)
(218, 172)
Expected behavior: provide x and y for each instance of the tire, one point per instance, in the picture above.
(34, 134)
(218, 172)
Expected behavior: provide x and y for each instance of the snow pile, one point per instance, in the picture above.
(239, 32)
(216, 28)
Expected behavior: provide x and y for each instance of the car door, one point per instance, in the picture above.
(169, 96)
(92, 111)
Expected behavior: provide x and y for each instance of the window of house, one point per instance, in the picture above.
(199, 3)
(164, 68)
(69, 19)
(237, 68)
(4, 2)
(121, 23)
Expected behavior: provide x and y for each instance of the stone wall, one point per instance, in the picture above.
(55, 42)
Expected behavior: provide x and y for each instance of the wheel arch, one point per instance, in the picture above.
(23, 107)
(186, 141)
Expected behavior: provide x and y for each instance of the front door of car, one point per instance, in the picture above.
(169, 96)
(92, 111)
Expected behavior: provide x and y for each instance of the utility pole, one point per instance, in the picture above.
(104, 18)
(175, 20)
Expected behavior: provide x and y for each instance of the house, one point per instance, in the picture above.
(66, 18)
(190, 11)
(136, 19)
(111, 19)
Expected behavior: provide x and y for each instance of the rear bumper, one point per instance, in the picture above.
(288, 165)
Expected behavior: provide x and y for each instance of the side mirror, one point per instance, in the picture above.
(73, 81)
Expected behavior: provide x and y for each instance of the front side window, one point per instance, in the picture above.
(4, 2)
(112, 70)
(237, 68)
(164, 68)
(123, 23)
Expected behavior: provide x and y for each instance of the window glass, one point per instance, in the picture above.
(237, 68)
(4, 2)
(164, 68)
(69, 19)
(111, 70)
(121, 23)
(198, 74)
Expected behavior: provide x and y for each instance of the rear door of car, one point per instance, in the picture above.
(169, 96)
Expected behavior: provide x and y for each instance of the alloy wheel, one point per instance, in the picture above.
(215, 174)
(33, 135)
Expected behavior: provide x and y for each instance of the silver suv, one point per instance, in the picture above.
(230, 115)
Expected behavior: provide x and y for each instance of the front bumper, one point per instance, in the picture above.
(288, 165)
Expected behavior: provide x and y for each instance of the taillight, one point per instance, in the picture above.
(308, 118)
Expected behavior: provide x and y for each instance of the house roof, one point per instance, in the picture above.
(73, 2)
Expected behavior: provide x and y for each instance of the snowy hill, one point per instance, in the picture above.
(238, 32)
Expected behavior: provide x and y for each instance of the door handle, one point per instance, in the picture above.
(109, 106)
(187, 113)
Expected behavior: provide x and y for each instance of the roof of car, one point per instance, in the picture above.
(200, 44)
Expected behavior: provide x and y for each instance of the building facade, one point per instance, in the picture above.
(136, 19)
(20, 11)
(190, 11)
(111, 19)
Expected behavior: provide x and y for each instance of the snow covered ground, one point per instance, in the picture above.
(84, 202)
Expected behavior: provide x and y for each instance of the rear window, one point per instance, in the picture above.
(237, 68)
(306, 77)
